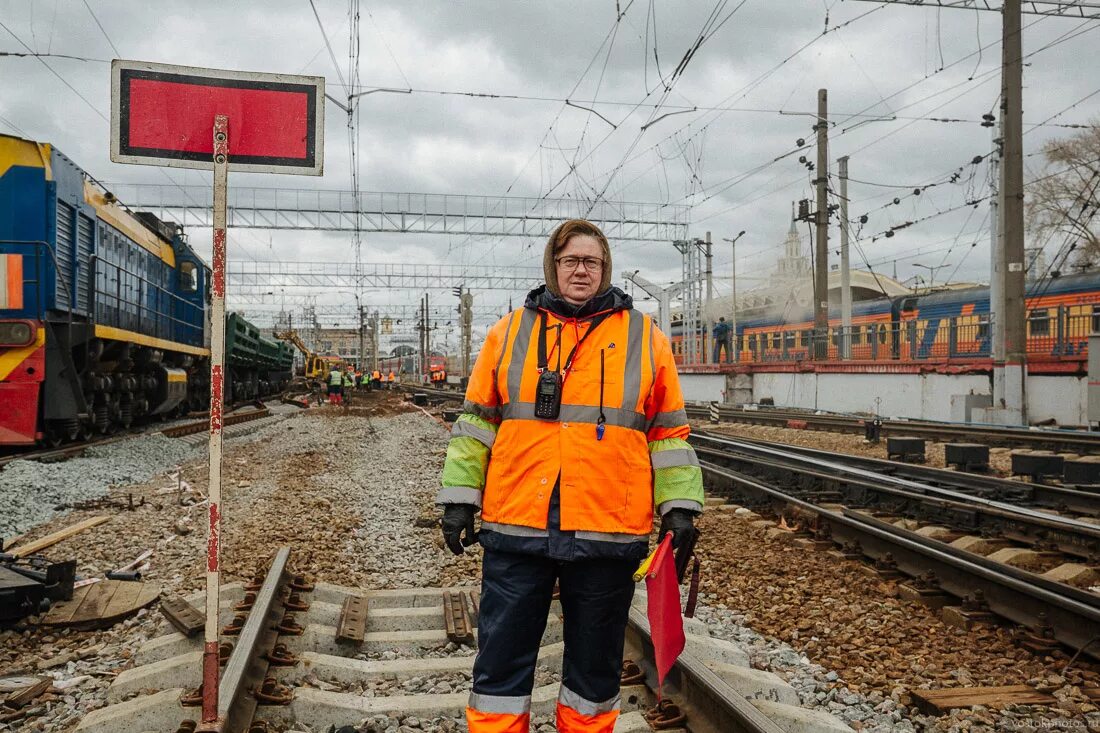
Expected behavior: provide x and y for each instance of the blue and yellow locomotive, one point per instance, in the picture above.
(104, 316)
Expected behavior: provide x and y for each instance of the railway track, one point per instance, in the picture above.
(175, 431)
(286, 638)
(833, 478)
(1080, 442)
(860, 511)
(1018, 493)
(1073, 441)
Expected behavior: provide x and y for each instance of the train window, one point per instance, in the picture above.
(188, 282)
(882, 333)
(983, 327)
(1039, 322)
(857, 335)
(1096, 319)
(788, 339)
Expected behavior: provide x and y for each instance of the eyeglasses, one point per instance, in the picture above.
(592, 264)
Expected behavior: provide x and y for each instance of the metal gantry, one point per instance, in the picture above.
(1078, 9)
(250, 278)
(418, 213)
(324, 311)
(692, 341)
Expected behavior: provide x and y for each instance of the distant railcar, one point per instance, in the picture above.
(947, 325)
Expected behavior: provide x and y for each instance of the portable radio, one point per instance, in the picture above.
(548, 395)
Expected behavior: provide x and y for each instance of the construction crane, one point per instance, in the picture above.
(316, 366)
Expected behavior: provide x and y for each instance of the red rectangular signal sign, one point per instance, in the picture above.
(163, 114)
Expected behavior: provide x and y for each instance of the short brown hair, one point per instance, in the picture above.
(560, 237)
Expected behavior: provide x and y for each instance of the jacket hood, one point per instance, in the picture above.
(612, 299)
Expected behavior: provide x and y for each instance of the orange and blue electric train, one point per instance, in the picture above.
(947, 326)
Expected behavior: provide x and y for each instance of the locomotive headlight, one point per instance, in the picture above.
(16, 334)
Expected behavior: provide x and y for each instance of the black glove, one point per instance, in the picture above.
(681, 523)
(458, 517)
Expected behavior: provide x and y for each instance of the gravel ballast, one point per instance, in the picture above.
(33, 490)
(848, 644)
(353, 493)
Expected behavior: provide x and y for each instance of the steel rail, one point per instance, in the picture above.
(985, 486)
(1076, 441)
(711, 705)
(1017, 595)
(178, 431)
(964, 511)
(247, 666)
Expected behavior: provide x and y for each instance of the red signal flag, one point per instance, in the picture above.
(666, 622)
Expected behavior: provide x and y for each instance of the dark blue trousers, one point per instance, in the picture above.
(514, 604)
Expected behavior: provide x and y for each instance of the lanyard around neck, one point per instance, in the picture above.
(543, 360)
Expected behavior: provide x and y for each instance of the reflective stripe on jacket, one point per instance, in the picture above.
(506, 460)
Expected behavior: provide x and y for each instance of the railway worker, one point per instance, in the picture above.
(572, 433)
(335, 384)
(349, 385)
(376, 379)
(721, 334)
(392, 380)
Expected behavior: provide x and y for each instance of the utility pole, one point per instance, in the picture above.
(374, 341)
(996, 280)
(845, 270)
(362, 345)
(821, 264)
(1014, 315)
(421, 329)
(707, 325)
(465, 319)
(736, 355)
(467, 330)
(426, 363)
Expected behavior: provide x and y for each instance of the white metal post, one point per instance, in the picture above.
(845, 269)
(217, 393)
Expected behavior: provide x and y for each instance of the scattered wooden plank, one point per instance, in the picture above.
(181, 614)
(102, 604)
(9, 542)
(353, 621)
(456, 617)
(939, 702)
(28, 694)
(55, 537)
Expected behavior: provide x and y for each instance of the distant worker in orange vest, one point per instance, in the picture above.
(573, 432)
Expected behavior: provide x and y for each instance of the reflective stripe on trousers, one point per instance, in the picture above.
(514, 605)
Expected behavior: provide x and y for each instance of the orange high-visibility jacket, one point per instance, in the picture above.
(504, 459)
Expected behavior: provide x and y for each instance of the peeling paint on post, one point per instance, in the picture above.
(217, 393)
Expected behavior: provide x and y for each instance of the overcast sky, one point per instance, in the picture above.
(764, 63)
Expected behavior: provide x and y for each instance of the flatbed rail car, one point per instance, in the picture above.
(104, 312)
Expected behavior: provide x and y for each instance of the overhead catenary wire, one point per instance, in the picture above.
(118, 54)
